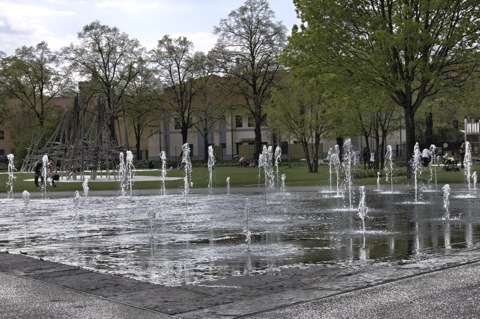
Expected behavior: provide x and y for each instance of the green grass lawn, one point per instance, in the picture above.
(239, 177)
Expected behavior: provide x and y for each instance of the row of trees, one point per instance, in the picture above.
(388, 51)
(346, 70)
(132, 79)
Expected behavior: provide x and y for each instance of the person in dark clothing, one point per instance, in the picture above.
(365, 157)
(38, 173)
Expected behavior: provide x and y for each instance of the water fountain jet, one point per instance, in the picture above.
(389, 167)
(210, 165)
(163, 157)
(10, 170)
(362, 207)
(416, 168)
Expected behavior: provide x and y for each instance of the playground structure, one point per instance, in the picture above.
(82, 141)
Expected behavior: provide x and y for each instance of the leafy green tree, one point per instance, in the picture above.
(110, 60)
(410, 49)
(33, 76)
(299, 109)
(249, 43)
(4, 93)
(372, 115)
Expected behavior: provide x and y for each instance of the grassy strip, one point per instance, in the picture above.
(239, 177)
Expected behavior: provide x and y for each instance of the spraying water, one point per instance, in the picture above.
(44, 174)
(26, 201)
(187, 164)
(467, 163)
(389, 167)
(26, 198)
(261, 160)
(336, 164)
(228, 185)
(283, 189)
(379, 188)
(416, 168)
(11, 177)
(278, 159)
(125, 172)
(129, 170)
(446, 200)
(362, 207)
(247, 220)
(348, 156)
(85, 187)
(163, 157)
(330, 165)
(474, 178)
(433, 160)
(122, 177)
(265, 161)
(211, 164)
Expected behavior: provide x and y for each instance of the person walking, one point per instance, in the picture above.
(425, 157)
(38, 173)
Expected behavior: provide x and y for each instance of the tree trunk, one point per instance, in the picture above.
(429, 129)
(184, 131)
(258, 140)
(409, 130)
(307, 155)
(315, 153)
(137, 147)
(205, 147)
(378, 157)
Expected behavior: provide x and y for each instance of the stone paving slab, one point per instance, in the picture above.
(259, 295)
(25, 298)
(290, 292)
(450, 293)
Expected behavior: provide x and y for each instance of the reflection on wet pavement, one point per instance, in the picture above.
(166, 239)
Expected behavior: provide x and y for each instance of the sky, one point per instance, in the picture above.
(57, 22)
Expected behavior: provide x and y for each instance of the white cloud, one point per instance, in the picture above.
(24, 24)
(128, 6)
(57, 22)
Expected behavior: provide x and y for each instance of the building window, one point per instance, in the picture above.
(2, 135)
(238, 121)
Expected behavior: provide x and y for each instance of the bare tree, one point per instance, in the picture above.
(142, 98)
(211, 99)
(110, 60)
(248, 46)
(176, 64)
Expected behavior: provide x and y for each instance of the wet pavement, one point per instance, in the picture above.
(33, 288)
(431, 285)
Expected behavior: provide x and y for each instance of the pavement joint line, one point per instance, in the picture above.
(386, 282)
(91, 295)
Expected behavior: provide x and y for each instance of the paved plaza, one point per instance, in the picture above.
(32, 288)
(440, 286)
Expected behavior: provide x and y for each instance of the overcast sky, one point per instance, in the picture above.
(28, 22)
